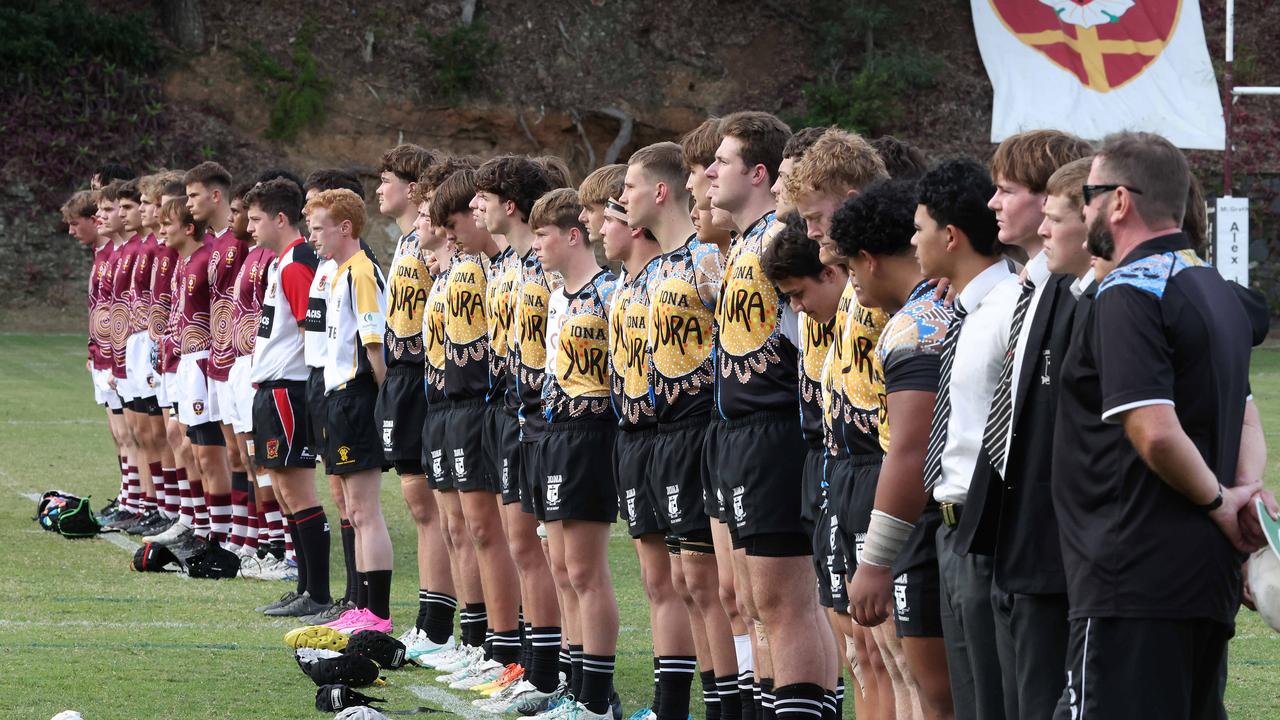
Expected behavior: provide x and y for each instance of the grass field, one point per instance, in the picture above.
(79, 631)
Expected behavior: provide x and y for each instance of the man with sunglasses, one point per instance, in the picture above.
(1158, 452)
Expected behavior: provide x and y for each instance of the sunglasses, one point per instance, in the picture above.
(1093, 191)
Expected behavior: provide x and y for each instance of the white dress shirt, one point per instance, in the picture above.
(1082, 283)
(989, 300)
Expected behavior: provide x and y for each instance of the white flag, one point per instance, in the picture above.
(1093, 67)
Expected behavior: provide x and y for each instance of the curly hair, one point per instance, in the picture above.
(791, 254)
(800, 143)
(408, 161)
(955, 192)
(837, 162)
(342, 205)
(880, 220)
(79, 205)
(903, 160)
(558, 171)
(279, 195)
(435, 175)
(512, 177)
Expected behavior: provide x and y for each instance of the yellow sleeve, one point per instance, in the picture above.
(369, 304)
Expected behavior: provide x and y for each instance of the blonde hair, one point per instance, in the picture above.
(602, 184)
(560, 208)
(1068, 182)
(342, 205)
(837, 162)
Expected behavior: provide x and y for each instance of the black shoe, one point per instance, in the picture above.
(191, 547)
(615, 704)
(122, 519)
(148, 519)
(110, 512)
(154, 525)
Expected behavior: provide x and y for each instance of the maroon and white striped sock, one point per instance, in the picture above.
(239, 501)
(158, 482)
(186, 508)
(123, 497)
(134, 501)
(219, 516)
(201, 508)
(172, 495)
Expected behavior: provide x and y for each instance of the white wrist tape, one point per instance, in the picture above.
(886, 535)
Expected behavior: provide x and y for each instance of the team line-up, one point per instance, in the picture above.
(978, 437)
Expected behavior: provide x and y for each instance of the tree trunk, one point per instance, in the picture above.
(183, 23)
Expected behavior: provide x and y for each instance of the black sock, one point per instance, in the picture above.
(675, 676)
(829, 705)
(575, 676)
(657, 685)
(379, 598)
(747, 695)
(423, 595)
(597, 680)
(544, 646)
(506, 646)
(474, 619)
(768, 699)
(312, 542)
(291, 526)
(710, 698)
(362, 589)
(798, 701)
(348, 534)
(526, 645)
(438, 623)
(730, 703)
(564, 664)
(487, 645)
(840, 696)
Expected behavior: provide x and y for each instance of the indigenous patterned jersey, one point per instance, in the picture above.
(407, 289)
(859, 389)
(629, 349)
(433, 323)
(167, 353)
(756, 368)
(162, 269)
(682, 304)
(504, 268)
(121, 295)
(278, 352)
(140, 286)
(226, 255)
(191, 333)
(315, 342)
(577, 383)
(356, 317)
(908, 354)
(816, 341)
(466, 332)
(100, 306)
(527, 352)
(246, 299)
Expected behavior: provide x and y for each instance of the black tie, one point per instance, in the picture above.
(942, 403)
(996, 437)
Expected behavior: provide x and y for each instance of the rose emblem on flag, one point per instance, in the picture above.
(1103, 43)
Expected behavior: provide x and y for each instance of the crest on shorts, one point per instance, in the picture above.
(739, 512)
(151, 381)
(631, 506)
(1103, 43)
(673, 502)
(344, 454)
(553, 490)
(273, 449)
(197, 407)
(900, 597)
(387, 427)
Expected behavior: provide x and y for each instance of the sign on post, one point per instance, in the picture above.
(1229, 221)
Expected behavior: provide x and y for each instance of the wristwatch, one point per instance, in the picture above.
(1213, 504)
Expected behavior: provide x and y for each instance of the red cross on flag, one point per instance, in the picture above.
(1092, 67)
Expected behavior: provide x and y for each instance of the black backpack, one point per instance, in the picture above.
(216, 563)
(66, 514)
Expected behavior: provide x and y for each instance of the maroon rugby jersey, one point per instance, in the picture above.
(167, 353)
(226, 255)
(191, 332)
(246, 298)
(99, 312)
(121, 297)
(163, 266)
(140, 286)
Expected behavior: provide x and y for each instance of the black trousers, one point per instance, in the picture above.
(969, 632)
(1031, 637)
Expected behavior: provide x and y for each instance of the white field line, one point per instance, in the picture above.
(117, 539)
(98, 624)
(456, 705)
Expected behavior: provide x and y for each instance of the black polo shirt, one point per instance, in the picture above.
(1163, 328)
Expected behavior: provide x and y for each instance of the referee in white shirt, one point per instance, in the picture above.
(956, 239)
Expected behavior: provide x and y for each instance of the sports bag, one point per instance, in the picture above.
(66, 514)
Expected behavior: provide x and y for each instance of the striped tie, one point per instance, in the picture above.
(996, 437)
(942, 403)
